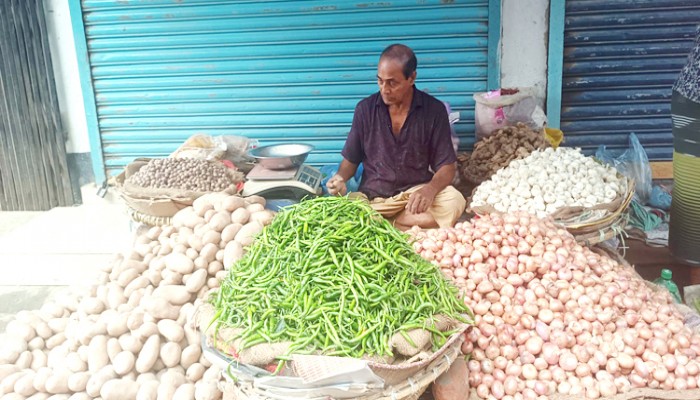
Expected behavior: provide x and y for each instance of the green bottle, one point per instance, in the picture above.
(666, 282)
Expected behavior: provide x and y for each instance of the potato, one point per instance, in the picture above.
(8, 383)
(171, 330)
(7, 370)
(213, 283)
(160, 308)
(231, 203)
(24, 386)
(36, 344)
(148, 354)
(230, 232)
(184, 392)
(195, 241)
(52, 309)
(169, 383)
(78, 381)
(174, 294)
(139, 282)
(208, 252)
(75, 363)
(232, 253)
(113, 348)
(24, 360)
(195, 372)
(214, 267)
(146, 330)
(221, 275)
(39, 359)
(57, 383)
(211, 236)
(148, 391)
(213, 198)
(42, 374)
(265, 217)
(55, 340)
(253, 208)
(219, 221)
(192, 253)
(208, 215)
(43, 330)
(171, 278)
(118, 389)
(83, 352)
(256, 200)
(199, 263)
(136, 296)
(130, 343)
(154, 277)
(20, 330)
(170, 353)
(117, 326)
(220, 255)
(206, 390)
(190, 355)
(240, 216)
(97, 381)
(201, 207)
(247, 234)
(124, 362)
(115, 296)
(192, 336)
(179, 263)
(196, 281)
(127, 276)
(76, 396)
(97, 355)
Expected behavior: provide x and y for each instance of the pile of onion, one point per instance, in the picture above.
(553, 317)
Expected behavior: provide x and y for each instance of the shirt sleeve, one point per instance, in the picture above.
(442, 152)
(353, 150)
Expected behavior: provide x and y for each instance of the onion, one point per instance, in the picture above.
(568, 361)
(529, 372)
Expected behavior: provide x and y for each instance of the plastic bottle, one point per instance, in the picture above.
(666, 282)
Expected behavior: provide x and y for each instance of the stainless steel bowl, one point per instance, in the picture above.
(281, 156)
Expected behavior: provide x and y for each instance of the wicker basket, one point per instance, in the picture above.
(405, 381)
(151, 220)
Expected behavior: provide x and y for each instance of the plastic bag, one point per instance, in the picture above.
(659, 198)
(632, 163)
(203, 147)
(329, 170)
(502, 107)
(237, 151)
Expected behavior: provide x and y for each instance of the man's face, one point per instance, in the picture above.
(393, 86)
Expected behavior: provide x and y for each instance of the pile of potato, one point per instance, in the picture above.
(499, 149)
(183, 173)
(130, 335)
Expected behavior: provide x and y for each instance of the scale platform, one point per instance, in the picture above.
(292, 184)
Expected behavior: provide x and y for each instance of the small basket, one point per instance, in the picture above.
(151, 220)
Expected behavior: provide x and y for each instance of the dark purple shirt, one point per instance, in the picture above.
(394, 164)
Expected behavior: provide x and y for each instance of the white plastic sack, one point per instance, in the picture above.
(500, 108)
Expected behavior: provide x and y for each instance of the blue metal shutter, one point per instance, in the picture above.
(276, 71)
(621, 58)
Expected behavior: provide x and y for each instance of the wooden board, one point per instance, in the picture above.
(662, 169)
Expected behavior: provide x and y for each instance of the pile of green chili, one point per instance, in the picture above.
(333, 277)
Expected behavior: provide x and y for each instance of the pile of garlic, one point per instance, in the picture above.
(548, 180)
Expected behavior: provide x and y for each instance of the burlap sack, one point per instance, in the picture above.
(422, 338)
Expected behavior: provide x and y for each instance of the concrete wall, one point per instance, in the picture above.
(524, 44)
(65, 67)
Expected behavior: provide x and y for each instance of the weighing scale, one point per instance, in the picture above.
(288, 184)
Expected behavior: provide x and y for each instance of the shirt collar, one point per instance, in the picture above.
(416, 102)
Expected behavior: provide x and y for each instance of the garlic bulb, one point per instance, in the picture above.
(548, 180)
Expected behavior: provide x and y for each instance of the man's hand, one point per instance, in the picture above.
(421, 200)
(336, 186)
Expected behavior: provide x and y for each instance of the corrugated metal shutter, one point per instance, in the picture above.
(276, 71)
(621, 58)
